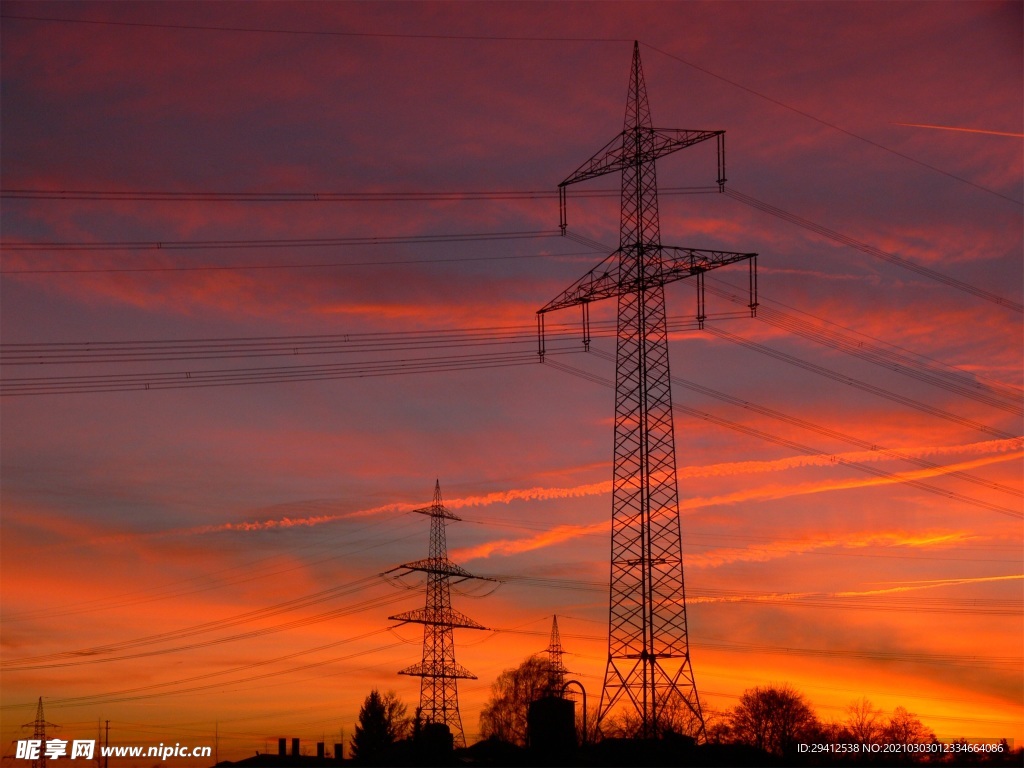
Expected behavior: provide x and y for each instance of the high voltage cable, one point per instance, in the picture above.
(289, 346)
(244, 667)
(996, 395)
(801, 448)
(115, 698)
(140, 692)
(957, 381)
(508, 38)
(833, 126)
(309, 242)
(55, 246)
(828, 432)
(176, 589)
(889, 602)
(280, 374)
(858, 384)
(320, 32)
(377, 602)
(318, 197)
(878, 253)
(837, 337)
(168, 350)
(263, 267)
(210, 626)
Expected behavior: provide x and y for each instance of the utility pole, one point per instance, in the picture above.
(440, 673)
(648, 672)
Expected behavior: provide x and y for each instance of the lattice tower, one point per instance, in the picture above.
(440, 673)
(649, 677)
(557, 673)
(39, 726)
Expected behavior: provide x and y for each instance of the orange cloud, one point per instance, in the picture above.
(962, 130)
(773, 550)
(556, 535)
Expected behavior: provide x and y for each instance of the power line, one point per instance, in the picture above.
(801, 448)
(128, 695)
(146, 691)
(115, 352)
(372, 603)
(308, 242)
(887, 356)
(833, 126)
(318, 32)
(332, 593)
(255, 267)
(234, 376)
(504, 38)
(878, 253)
(37, 193)
(835, 336)
(58, 246)
(250, 571)
(858, 384)
(828, 432)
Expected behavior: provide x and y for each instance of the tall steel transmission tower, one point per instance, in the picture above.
(440, 673)
(648, 674)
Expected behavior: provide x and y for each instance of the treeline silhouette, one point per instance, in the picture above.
(771, 725)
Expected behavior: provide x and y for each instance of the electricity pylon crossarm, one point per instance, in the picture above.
(648, 672)
(605, 280)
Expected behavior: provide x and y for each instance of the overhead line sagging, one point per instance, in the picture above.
(305, 601)
(805, 449)
(836, 434)
(310, 242)
(313, 32)
(970, 385)
(878, 253)
(834, 127)
(821, 331)
(229, 376)
(859, 384)
(413, 239)
(314, 197)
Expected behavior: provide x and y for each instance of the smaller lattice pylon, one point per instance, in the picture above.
(438, 670)
(557, 670)
(39, 726)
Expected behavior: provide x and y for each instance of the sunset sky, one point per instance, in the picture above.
(270, 270)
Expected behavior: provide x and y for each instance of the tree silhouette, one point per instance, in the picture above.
(675, 717)
(906, 728)
(382, 721)
(773, 718)
(504, 715)
(864, 722)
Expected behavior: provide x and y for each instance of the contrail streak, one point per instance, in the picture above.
(962, 130)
